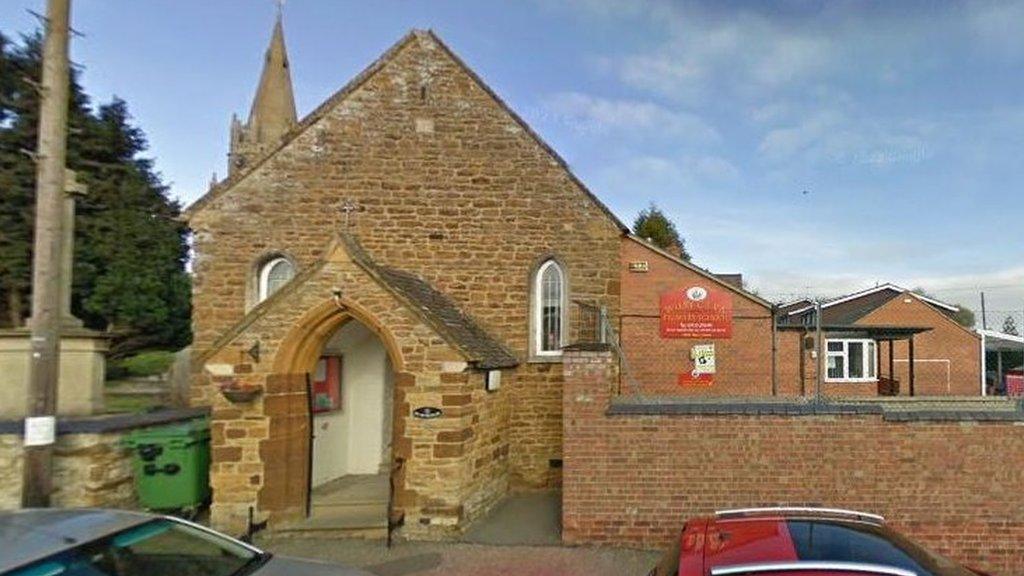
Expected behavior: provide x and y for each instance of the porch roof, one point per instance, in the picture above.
(875, 332)
(1001, 341)
(436, 309)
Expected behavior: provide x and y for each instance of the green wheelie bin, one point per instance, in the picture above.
(172, 464)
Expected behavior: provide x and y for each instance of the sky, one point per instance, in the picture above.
(817, 147)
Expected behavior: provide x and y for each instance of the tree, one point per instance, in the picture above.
(1010, 326)
(964, 316)
(652, 225)
(130, 248)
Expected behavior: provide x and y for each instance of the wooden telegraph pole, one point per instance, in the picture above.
(40, 423)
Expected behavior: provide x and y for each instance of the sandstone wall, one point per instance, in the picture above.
(453, 467)
(449, 186)
(90, 470)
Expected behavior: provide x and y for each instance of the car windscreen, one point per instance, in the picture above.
(157, 548)
(866, 543)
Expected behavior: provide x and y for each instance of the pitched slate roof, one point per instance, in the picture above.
(852, 307)
(436, 309)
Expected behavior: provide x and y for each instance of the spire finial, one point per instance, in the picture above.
(280, 7)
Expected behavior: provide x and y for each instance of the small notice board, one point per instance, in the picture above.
(327, 385)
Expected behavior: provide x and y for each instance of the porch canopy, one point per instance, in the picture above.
(998, 342)
(878, 333)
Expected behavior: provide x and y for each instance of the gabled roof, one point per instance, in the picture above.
(361, 79)
(786, 307)
(700, 271)
(881, 294)
(436, 309)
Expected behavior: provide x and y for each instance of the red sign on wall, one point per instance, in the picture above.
(692, 380)
(696, 312)
(327, 385)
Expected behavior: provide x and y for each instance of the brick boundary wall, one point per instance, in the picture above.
(633, 479)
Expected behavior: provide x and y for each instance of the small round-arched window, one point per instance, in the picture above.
(273, 275)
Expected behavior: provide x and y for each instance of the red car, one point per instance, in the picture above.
(799, 542)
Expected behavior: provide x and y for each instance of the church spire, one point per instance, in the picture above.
(273, 109)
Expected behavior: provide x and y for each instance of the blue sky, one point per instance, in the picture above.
(818, 147)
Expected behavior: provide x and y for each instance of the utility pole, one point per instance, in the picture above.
(818, 350)
(44, 368)
(984, 320)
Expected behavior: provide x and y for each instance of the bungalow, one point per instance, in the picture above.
(922, 349)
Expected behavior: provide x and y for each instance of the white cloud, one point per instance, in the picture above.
(703, 56)
(839, 137)
(585, 113)
(662, 178)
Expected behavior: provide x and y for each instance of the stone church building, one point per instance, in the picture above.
(397, 297)
(409, 251)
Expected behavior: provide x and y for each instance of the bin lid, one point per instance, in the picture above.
(195, 429)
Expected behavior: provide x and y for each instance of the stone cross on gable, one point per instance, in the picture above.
(348, 207)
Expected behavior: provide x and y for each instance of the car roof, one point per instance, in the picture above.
(32, 534)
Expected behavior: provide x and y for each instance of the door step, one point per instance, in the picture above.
(352, 520)
(341, 527)
(345, 509)
(332, 533)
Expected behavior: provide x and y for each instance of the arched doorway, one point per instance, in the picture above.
(328, 459)
(352, 387)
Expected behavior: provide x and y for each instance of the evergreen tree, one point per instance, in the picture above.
(130, 249)
(1010, 326)
(652, 225)
(964, 316)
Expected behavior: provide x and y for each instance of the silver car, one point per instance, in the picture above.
(53, 542)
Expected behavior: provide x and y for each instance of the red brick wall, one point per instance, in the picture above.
(743, 362)
(633, 480)
(947, 359)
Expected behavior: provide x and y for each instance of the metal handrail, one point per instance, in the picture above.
(799, 566)
(801, 510)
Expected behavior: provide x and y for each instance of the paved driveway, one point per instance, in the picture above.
(460, 559)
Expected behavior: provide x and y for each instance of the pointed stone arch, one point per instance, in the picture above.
(286, 451)
(301, 347)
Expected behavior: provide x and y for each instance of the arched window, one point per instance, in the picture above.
(274, 274)
(549, 309)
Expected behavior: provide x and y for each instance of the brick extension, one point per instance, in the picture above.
(633, 479)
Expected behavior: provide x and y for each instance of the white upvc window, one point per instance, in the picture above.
(549, 309)
(851, 360)
(273, 275)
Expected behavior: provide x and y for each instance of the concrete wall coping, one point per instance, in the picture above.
(110, 422)
(894, 410)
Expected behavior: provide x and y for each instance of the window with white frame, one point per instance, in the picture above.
(549, 309)
(273, 275)
(851, 360)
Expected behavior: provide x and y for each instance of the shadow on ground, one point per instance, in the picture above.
(520, 537)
